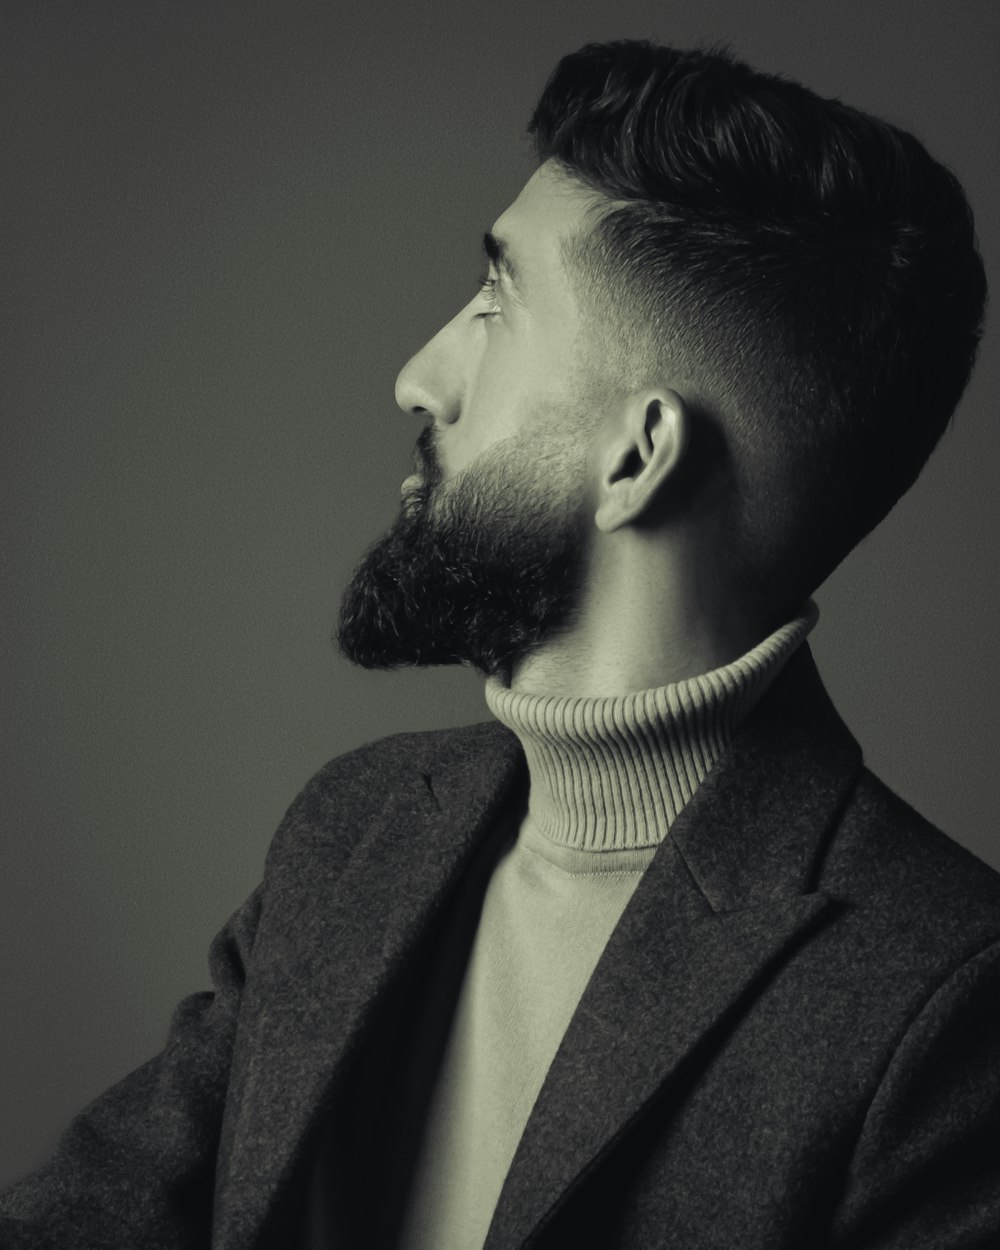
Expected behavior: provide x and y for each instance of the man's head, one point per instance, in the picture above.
(800, 276)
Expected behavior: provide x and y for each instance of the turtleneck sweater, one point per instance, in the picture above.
(607, 778)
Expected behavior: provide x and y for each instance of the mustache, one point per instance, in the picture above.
(425, 457)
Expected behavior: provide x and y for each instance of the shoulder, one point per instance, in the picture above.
(400, 756)
(341, 798)
(911, 883)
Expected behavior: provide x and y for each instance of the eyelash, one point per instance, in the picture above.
(489, 293)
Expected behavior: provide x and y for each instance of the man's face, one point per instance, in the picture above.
(487, 558)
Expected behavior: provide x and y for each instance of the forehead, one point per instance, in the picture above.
(550, 209)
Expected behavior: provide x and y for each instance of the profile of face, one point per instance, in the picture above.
(488, 556)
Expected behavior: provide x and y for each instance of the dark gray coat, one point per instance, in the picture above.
(791, 1041)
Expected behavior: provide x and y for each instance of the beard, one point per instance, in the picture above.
(481, 569)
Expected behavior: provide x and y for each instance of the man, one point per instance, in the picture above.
(650, 958)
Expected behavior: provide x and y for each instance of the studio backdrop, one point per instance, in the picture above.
(225, 228)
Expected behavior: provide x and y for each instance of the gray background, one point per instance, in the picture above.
(225, 229)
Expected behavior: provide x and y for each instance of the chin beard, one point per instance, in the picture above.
(481, 575)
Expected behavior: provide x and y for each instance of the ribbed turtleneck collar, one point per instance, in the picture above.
(613, 773)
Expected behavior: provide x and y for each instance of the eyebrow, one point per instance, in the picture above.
(496, 251)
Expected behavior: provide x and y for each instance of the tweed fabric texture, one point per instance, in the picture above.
(791, 1039)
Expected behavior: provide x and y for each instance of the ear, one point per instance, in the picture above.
(647, 446)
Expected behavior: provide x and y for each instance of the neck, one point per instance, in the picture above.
(612, 773)
(645, 620)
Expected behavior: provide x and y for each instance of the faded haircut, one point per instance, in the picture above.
(809, 272)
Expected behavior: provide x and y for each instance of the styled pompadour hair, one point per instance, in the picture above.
(808, 272)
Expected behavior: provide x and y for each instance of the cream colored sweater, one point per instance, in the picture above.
(608, 777)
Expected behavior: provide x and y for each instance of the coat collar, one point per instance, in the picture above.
(725, 894)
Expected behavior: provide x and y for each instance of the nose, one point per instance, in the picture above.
(432, 382)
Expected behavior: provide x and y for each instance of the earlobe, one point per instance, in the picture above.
(651, 442)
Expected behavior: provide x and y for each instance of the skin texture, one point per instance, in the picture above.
(538, 542)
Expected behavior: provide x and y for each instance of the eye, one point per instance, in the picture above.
(488, 292)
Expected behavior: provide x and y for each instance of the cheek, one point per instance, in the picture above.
(520, 371)
(494, 406)
(519, 366)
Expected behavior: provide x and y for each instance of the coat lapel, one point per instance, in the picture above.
(324, 966)
(722, 901)
(725, 899)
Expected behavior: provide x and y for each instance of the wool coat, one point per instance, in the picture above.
(791, 1040)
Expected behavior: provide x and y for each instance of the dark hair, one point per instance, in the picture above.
(810, 269)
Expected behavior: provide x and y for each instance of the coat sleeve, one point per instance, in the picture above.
(136, 1167)
(926, 1171)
